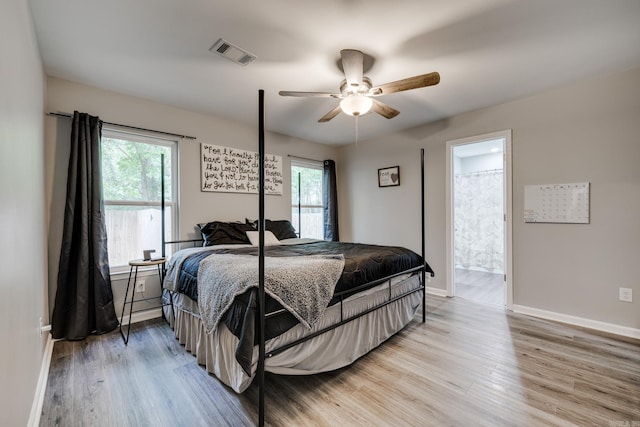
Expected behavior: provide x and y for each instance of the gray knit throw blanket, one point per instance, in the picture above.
(303, 285)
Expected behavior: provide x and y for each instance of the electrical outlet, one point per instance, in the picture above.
(626, 294)
(140, 286)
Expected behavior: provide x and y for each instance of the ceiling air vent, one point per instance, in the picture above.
(232, 52)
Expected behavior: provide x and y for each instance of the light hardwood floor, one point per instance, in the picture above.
(469, 365)
(479, 286)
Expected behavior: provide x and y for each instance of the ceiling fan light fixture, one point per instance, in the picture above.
(357, 92)
(356, 105)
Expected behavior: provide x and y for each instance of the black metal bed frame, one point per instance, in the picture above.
(262, 354)
(261, 293)
(344, 321)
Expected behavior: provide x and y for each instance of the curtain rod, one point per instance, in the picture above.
(69, 116)
(480, 172)
(304, 158)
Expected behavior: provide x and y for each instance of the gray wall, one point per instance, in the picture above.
(583, 132)
(22, 213)
(195, 206)
(586, 131)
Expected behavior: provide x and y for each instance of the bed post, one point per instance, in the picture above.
(261, 222)
(299, 205)
(162, 203)
(424, 284)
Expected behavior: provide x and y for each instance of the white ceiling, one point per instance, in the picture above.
(486, 51)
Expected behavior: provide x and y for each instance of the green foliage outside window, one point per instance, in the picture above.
(310, 223)
(311, 186)
(131, 185)
(131, 170)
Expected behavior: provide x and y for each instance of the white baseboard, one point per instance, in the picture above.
(578, 321)
(41, 387)
(437, 292)
(141, 316)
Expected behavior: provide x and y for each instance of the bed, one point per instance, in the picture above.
(327, 304)
(378, 308)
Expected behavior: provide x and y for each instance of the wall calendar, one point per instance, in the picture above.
(557, 203)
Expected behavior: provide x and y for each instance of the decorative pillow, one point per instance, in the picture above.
(269, 238)
(282, 229)
(225, 233)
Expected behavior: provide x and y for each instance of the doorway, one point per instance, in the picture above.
(479, 218)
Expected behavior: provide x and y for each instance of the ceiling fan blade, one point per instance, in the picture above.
(309, 94)
(409, 83)
(352, 64)
(383, 109)
(330, 115)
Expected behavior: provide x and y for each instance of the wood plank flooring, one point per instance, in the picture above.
(479, 286)
(469, 365)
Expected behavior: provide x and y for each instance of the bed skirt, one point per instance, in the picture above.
(332, 350)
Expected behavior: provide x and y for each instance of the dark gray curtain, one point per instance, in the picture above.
(330, 202)
(84, 300)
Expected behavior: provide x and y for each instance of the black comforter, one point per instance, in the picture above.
(363, 264)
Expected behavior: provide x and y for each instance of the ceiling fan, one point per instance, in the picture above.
(357, 93)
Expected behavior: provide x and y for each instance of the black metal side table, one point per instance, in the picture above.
(133, 271)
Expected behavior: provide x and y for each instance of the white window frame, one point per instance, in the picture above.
(308, 164)
(108, 132)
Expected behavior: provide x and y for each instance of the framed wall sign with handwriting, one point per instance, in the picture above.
(231, 170)
(389, 177)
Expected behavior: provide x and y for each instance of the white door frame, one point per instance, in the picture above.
(508, 268)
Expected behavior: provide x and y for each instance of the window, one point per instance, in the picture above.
(131, 185)
(307, 208)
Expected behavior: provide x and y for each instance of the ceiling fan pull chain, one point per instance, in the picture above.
(356, 131)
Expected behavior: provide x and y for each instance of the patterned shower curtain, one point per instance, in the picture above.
(478, 221)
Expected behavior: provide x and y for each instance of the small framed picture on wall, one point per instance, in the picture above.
(389, 177)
